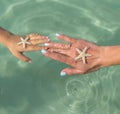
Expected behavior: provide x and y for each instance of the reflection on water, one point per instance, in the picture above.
(37, 88)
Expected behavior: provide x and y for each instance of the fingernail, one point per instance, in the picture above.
(57, 34)
(63, 73)
(46, 44)
(29, 61)
(43, 51)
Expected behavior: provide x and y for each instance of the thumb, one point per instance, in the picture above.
(71, 71)
(22, 57)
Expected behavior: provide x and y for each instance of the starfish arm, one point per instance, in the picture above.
(28, 43)
(85, 49)
(22, 40)
(78, 57)
(25, 39)
(84, 60)
(19, 43)
(78, 50)
(88, 55)
(24, 45)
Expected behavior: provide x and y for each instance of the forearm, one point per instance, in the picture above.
(111, 55)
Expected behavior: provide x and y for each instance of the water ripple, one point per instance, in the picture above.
(11, 7)
(77, 88)
(44, 17)
(92, 94)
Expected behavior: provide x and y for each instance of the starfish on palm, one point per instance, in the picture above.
(82, 54)
(24, 41)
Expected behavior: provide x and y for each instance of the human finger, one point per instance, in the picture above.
(66, 38)
(40, 41)
(59, 57)
(37, 36)
(93, 69)
(60, 51)
(58, 45)
(34, 48)
(22, 57)
(71, 71)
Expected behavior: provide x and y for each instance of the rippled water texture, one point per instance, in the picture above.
(37, 88)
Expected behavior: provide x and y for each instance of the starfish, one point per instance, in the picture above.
(24, 42)
(82, 54)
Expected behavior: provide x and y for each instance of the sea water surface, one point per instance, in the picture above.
(38, 88)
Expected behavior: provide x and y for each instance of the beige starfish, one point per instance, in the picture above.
(82, 54)
(24, 41)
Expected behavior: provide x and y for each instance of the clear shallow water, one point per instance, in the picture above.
(37, 88)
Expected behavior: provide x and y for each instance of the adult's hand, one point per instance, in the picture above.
(82, 55)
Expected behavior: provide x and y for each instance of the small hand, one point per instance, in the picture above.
(19, 44)
(82, 55)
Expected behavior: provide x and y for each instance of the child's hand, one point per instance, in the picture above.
(19, 44)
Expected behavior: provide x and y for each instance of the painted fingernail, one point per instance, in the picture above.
(43, 51)
(46, 44)
(57, 34)
(63, 73)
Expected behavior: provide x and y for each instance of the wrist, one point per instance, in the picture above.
(4, 36)
(110, 55)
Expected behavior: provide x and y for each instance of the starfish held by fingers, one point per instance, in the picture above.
(82, 54)
(24, 41)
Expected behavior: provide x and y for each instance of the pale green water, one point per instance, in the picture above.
(37, 88)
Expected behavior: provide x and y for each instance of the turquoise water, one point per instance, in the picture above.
(37, 88)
